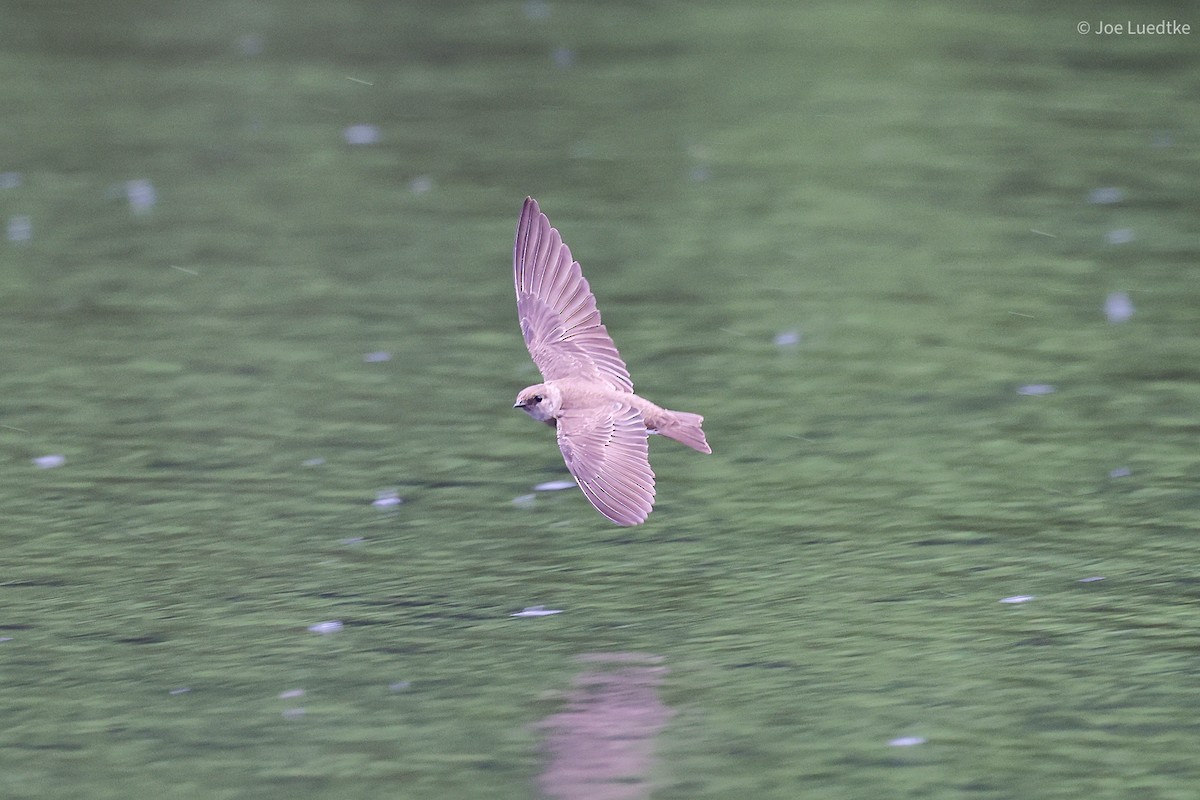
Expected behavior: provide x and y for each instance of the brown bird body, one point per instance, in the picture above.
(587, 395)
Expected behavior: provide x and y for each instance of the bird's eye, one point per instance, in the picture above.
(537, 398)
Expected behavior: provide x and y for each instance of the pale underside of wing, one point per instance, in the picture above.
(559, 318)
(606, 449)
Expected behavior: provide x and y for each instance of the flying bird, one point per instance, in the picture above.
(586, 393)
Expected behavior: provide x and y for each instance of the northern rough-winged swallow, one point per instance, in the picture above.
(587, 395)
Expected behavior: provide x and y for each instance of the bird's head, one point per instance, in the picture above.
(541, 401)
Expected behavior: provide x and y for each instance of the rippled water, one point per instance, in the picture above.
(271, 526)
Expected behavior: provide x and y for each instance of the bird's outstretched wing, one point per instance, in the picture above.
(606, 450)
(559, 318)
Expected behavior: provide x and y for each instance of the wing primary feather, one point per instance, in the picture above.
(534, 265)
(555, 269)
(629, 478)
(614, 510)
(615, 487)
(536, 253)
(622, 483)
(521, 256)
(548, 247)
(581, 299)
(565, 274)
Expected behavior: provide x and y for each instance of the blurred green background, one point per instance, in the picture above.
(257, 274)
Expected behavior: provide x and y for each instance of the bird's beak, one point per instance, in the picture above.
(518, 405)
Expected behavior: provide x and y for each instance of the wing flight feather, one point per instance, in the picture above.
(607, 452)
(559, 318)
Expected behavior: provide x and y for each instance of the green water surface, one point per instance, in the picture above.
(901, 192)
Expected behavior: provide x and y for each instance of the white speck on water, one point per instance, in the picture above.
(352, 79)
(1017, 598)
(1106, 195)
(421, 185)
(700, 173)
(20, 228)
(1119, 236)
(524, 501)
(6, 638)
(387, 498)
(352, 540)
(564, 57)
(1120, 472)
(141, 196)
(1043, 233)
(1118, 307)
(377, 357)
(313, 462)
(537, 9)
(327, 627)
(291, 694)
(399, 686)
(361, 134)
(907, 741)
(50, 461)
(250, 45)
(554, 486)
(293, 713)
(10, 180)
(1092, 579)
(180, 690)
(787, 338)
(1036, 389)
(583, 149)
(536, 611)
(183, 269)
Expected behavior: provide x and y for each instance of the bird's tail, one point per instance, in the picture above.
(685, 428)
